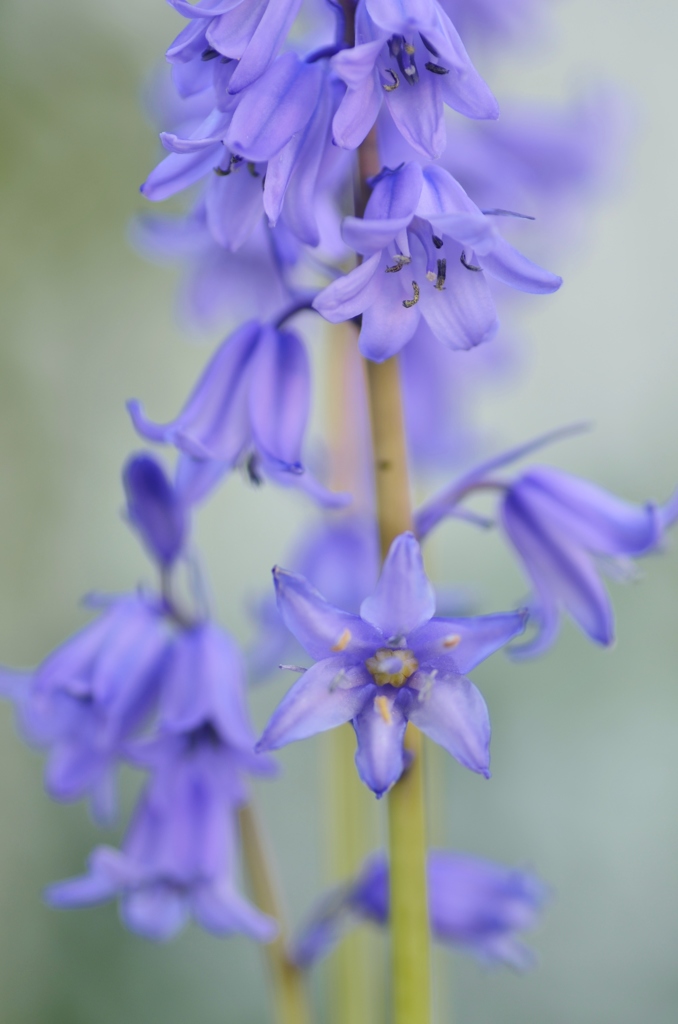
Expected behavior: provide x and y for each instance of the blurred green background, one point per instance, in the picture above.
(584, 751)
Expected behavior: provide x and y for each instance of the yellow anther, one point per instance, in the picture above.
(409, 48)
(343, 641)
(452, 641)
(382, 706)
(381, 666)
(408, 303)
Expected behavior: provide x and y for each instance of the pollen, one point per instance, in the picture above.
(382, 706)
(452, 641)
(343, 641)
(392, 668)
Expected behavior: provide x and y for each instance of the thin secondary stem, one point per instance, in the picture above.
(289, 994)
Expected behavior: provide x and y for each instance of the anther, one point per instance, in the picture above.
(252, 169)
(253, 471)
(429, 46)
(343, 641)
(395, 83)
(400, 262)
(209, 54)
(408, 303)
(437, 69)
(442, 273)
(452, 641)
(381, 704)
(469, 266)
(438, 242)
(409, 48)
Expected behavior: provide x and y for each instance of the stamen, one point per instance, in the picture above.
(429, 46)
(452, 641)
(209, 54)
(343, 641)
(233, 165)
(430, 276)
(400, 262)
(382, 706)
(411, 72)
(409, 48)
(438, 242)
(437, 69)
(408, 303)
(469, 266)
(394, 84)
(252, 169)
(392, 668)
(442, 273)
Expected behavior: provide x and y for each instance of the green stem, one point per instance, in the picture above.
(289, 994)
(406, 802)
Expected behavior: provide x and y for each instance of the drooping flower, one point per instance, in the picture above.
(91, 696)
(179, 856)
(414, 61)
(155, 509)
(250, 32)
(474, 904)
(250, 406)
(565, 531)
(428, 248)
(391, 664)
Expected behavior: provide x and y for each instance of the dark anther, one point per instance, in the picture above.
(437, 69)
(253, 471)
(429, 46)
(408, 303)
(469, 266)
(225, 60)
(395, 45)
(221, 173)
(442, 274)
(395, 83)
(233, 164)
(252, 169)
(209, 54)
(438, 242)
(395, 268)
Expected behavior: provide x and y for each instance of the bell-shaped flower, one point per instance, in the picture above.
(427, 252)
(155, 509)
(391, 664)
(474, 904)
(565, 532)
(414, 61)
(250, 32)
(91, 696)
(250, 406)
(179, 857)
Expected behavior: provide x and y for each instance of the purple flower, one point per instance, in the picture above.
(155, 509)
(564, 530)
(250, 405)
(179, 856)
(392, 664)
(89, 698)
(427, 249)
(474, 904)
(250, 32)
(413, 60)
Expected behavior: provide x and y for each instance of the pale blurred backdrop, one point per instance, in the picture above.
(585, 743)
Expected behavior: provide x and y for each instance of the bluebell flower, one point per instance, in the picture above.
(250, 406)
(414, 61)
(474, 904)
(427, 251)
(155, 509)
(391, 664)
(91, 696)
(179, 857)
(250, 32)
(565, 531)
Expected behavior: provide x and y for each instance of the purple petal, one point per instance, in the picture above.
(330, 693)
(396, 194)
(357, 112)
(380, 730)
(214, 422)
(510, 266)
(404, 598)
(462, 314)
(419, 116)
(320, 629)
(453, 714)
(277, 106)
(157, 911)
(209, 134)
(154, 509)
(461, 644)
(177, 172)
(280, 398)
(234, 207)
(268, 37)
(222, 911)
(349, 295)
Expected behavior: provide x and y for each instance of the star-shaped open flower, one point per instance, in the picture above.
(391, 664)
